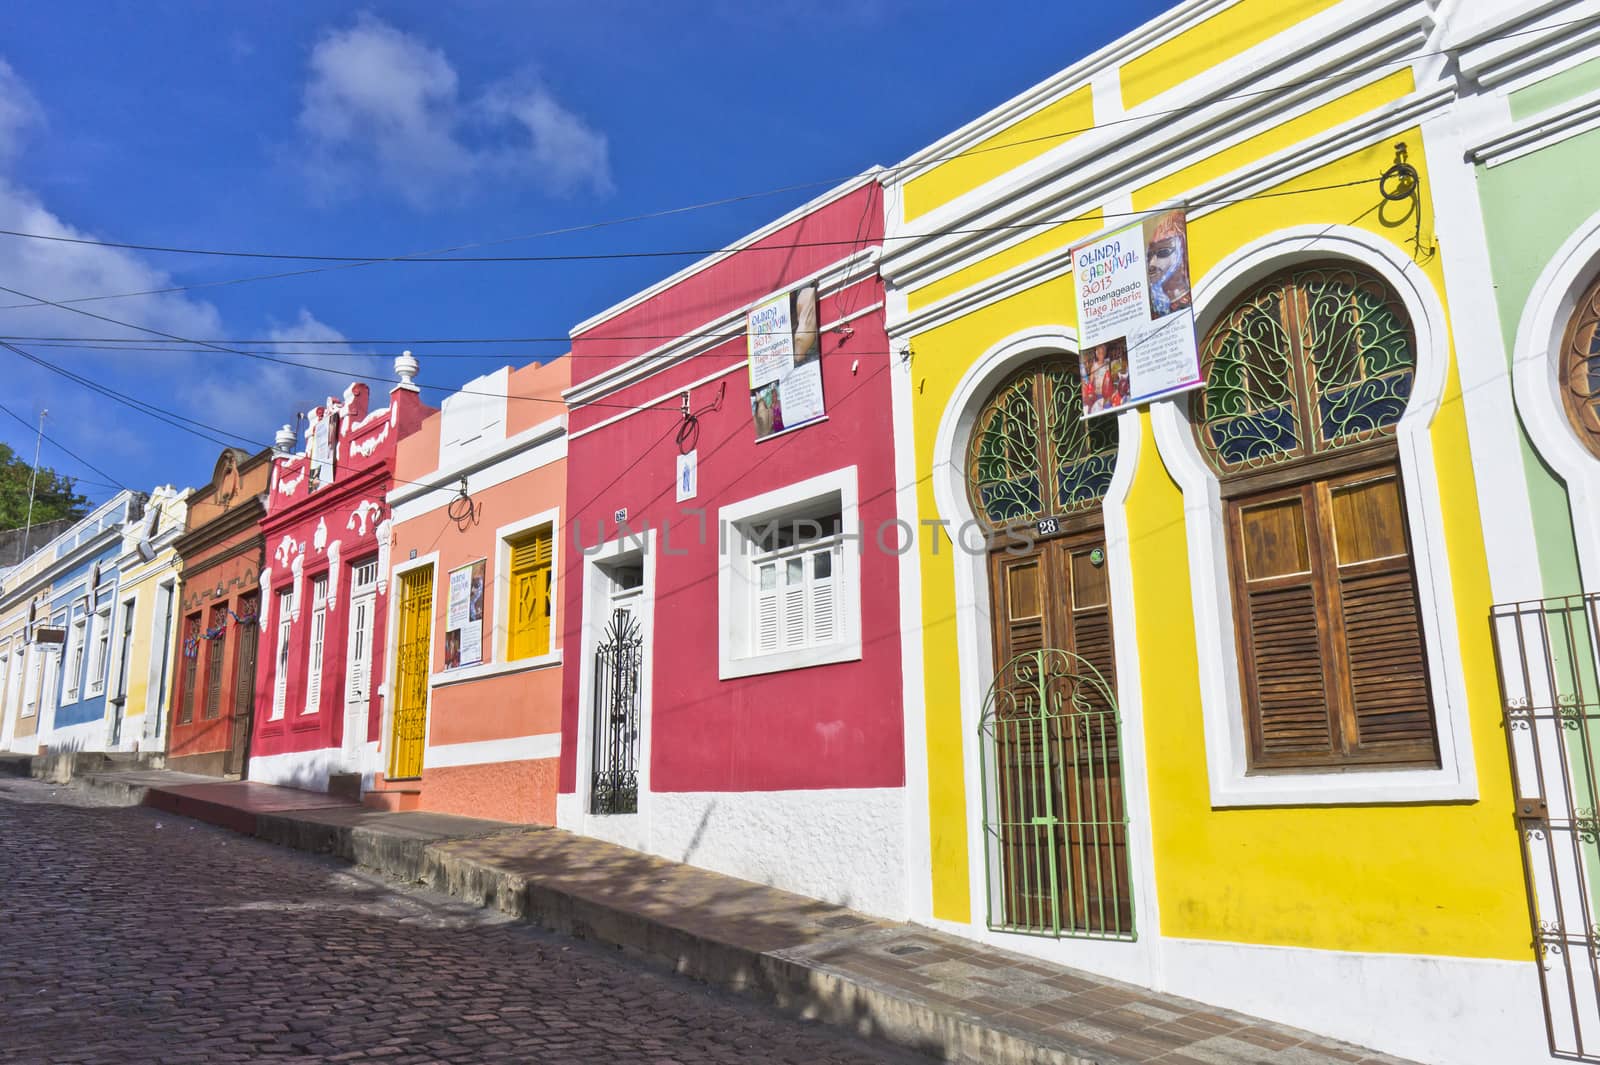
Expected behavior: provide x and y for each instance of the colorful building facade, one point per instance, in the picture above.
(1224, 719)
(475, 659)
(145, 624)
(219, 604)
(74, 709)
(729, 581)
(323, 589)
(31, 665)
(1525, 288)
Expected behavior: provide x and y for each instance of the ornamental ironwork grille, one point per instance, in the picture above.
(1055, 822)
(617, 662)
(1580, 369)
(1549, 655)
(1313, 361)
(1032, 454)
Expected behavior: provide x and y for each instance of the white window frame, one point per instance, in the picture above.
(1232, 782)
(314, 653)
(77, 644)
(100, 650)
(500, 645)
(361, 592)
(280, 656)
(737, 587)
(32, 680)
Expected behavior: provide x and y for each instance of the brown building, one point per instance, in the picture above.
(221, 553)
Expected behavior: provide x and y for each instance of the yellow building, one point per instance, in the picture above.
(1267, 769)
(145, 624)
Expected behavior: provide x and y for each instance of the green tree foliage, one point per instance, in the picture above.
(55, 496)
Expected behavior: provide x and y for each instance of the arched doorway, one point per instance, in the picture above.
(1055, 821)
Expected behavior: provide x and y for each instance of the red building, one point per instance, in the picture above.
(219, 598)
(324, 588)
(730, 579)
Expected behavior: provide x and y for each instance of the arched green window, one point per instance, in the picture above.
(1032, 455)
(1309, 362)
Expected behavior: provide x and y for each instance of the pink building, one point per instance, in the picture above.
(475, 665)
(731, 582)
(325, 590)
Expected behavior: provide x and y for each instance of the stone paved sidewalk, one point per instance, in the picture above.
(951, 998)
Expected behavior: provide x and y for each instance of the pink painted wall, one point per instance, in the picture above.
(350, 509)
(833, 726)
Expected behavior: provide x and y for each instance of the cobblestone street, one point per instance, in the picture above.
(131, 936)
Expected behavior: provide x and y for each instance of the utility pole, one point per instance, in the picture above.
(33, 481)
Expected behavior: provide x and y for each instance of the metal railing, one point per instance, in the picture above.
(1054, 816)
(1549, 662)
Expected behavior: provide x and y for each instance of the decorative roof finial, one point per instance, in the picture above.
(406, 366)
(283, 443)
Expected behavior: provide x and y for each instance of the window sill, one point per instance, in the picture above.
(463, 674)
(783, 661)
(1357, 786)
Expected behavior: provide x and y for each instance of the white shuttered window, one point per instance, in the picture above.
(795, 601)
(319, 627)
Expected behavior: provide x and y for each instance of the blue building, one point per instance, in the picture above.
(82, 574)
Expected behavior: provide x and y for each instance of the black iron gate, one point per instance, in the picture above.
(617, 661)
(1549, 659)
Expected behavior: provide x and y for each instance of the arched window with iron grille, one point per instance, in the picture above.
(1307, 376)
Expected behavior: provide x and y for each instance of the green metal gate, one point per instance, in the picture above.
(1055, 820)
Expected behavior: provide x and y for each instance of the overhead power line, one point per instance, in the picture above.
(59, 446)
(338, 262)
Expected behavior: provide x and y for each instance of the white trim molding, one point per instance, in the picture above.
(1539, 131)
(1222, 707)
(493, 752)
(1536, 383)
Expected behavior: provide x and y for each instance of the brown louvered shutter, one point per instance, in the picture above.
(1282, 656)
(1332, 660)
(1388, 665)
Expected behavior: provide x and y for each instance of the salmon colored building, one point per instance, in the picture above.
(473, 726)
(324, 588)
(734, 699)
(219, 600)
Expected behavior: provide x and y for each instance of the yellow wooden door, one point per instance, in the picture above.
(412, 664)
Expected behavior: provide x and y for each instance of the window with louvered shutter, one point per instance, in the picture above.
(1307, 376)
(280, 670)
(191, 664)
(530, 588)
(319, 629)
(795, 587)
(1580, 369)
(214, 649)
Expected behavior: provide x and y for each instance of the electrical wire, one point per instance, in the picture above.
(1092, 213)
(440, 254)
(85, 463)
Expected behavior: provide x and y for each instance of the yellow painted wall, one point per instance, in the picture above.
(143, 583)
(1440, 879)
(1229, 32)
(967, 168)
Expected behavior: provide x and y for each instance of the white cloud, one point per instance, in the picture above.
(18, 111)
(382, 105)
(243, 395)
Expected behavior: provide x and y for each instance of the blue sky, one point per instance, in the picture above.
(388, 128)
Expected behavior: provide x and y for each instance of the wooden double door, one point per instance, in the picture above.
(1058, 816)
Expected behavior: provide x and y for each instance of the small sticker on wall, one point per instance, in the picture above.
(688, 475)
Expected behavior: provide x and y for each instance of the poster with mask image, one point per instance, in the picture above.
(785, 363)
(1135, 314)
